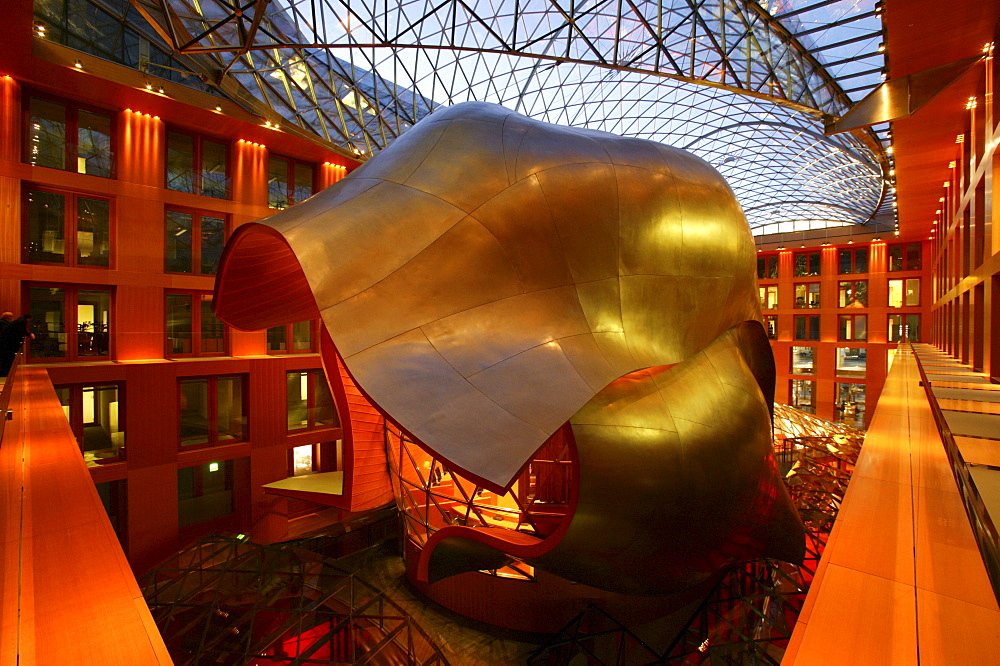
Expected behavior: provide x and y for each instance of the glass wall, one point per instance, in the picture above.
(204, 492)
(852, 362)
(802, 360)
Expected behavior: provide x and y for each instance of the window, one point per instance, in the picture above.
(853, 261)
(310, 404)
(802, 360)
(806, 263)
(69, 322)
(63, 135)
(97, 418)
(114, 496)
(771, 326)
(197, 165)
(853, 327)
(194, 242)
(904, 292)
(904, 327)
(807, 295)
(767, 267)
(851, 362)
(769, 297)
(304, 460)
(66, 228)
(204, 492)
(807, 327)
(850, 405)
(904, 257)
(853, 294)
(803, 392)
(213, 410)
(288, 182)
(300, 334)
(192, 327)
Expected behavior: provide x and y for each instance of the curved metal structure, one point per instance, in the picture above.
(489, 278)
(742, 84)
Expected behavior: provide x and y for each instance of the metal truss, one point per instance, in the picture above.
(225, 601)
(745, 85)
(749, 615)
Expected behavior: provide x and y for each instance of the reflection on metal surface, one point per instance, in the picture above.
(488, 279)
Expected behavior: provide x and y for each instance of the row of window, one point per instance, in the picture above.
(206, 492)
(853, 327)
(72, 322)
(212, 411)
(849, 400)
(904, 292)
(70, 136)
(902, 257)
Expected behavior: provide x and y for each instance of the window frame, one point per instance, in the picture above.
(902, 291)
(70, 226)
(808, 325)
(809, 261)
(311, 424)
(196, 328)
(291, 163)
(197, 156)
(196, 232)
(854, 327)
(904, 317)
(842, 371)
(808, 305)
(290, 335)
(229, 485)
(854, 263)
(70, 321)
(75, 417)
(212, 395)
(791, 362)
(70, 148)
(792, 394)
(769, 264)
(771, 331)
(904, 266)
(765, 291)
(854, 291)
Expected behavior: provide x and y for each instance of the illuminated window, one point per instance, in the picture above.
(310, 404)
(853, 294)
(849, 407)
(288, 182)
(767, 267)
(807, 295)
(806, 263)
(67, 136)
(304, 460)
(66, 228)
(96, 415)
(904, 292)
(803, 394)
(802, 360)
(212, 410)
(197, 165)
(853, 327)
(204, 492)
(771, 326)
(904, 327)
(807, 327)
(69, 322)
(853, 261)
(769, 297)
(194, 242)
(300, 334)
(904, 257)
(192, 327)
(851, 362)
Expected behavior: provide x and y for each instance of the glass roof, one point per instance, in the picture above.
(745, 85)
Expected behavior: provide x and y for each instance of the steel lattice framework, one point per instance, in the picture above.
(745, 85)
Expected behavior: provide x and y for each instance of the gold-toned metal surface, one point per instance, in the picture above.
(486, 275)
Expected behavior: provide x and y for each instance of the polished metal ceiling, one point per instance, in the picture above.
(746, 85)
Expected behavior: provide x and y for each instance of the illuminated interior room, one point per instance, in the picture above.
(318, 374)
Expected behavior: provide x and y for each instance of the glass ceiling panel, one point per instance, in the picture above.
(742, 84)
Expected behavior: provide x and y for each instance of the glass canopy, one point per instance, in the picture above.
(745, 85)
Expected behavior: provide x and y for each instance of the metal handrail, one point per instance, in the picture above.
(983, 528)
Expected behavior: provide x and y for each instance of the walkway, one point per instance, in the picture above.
(67, 594)
(902, 580)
